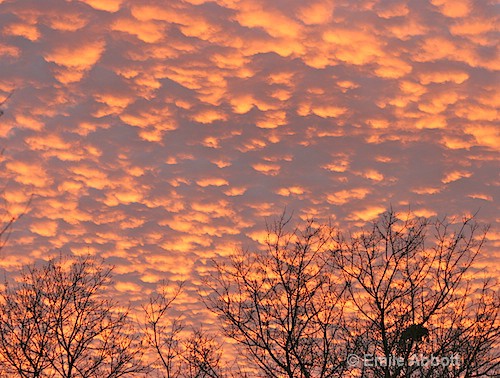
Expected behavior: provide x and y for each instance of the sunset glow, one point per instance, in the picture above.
(161, 134)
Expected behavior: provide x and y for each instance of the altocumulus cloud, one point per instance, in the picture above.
(158, 134)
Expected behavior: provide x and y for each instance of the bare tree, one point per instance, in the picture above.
(161, 330)
(420, 308)
(194, 356)
(284, 305)
(55, 322)
(403, 297)
(6, 221)
(25, 336)
(202, 355)
(4, 101)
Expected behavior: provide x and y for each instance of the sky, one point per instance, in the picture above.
(161, 134)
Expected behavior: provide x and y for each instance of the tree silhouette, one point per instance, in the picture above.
(6, 220)
(202, 356)
(55, 322)
(161, 330)
(284, 305)
(4, 101)
(414, 295)
(195, 356)
(403, 290)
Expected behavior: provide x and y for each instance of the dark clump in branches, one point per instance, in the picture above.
(55, 322)
(415, 332)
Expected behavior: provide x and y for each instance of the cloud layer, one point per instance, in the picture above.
(158, 134)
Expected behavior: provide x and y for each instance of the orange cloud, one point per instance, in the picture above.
(316, 12)
(149, 32)
(454, 76)
(80, 56)
(29, 122)
(471, 27)
(439, 102)
(24, 30)
(44, 228)
(66, 21)
(328, 111)
(272, 119)
(209, 116)
(212, 182)
(453, 8)
(291, 190)
(90, 176)
(367, 214)
(267, 168)
(32, 173)
(392, 9)
(48, 142)
(353, 46)
(455, 175)
(105, 5)
(485, 135)
(155, 132)
(393, 68)
(273, 21)
(344, 196)
(478, 112)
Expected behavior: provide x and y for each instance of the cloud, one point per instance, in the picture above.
(148, 32)
(367, 214)
(69, 21)
(453, 8)
(316, 12)
(441, 76)
(212, 182)
(74, 59)
(455, 175)
(159, 134)
(24, 30)
(105, 5)
(344, 196)
(485, 135)
(29, 173)
(274, 22)
(44, 228)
